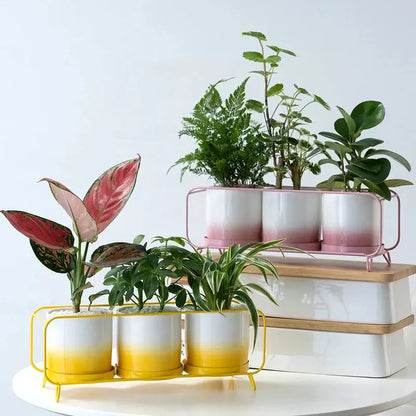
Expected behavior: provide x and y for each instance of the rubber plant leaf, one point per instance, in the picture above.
(59, 261)
(84, 224)
(368, 114)
(114, 254)
(110, 192)
(45, 232)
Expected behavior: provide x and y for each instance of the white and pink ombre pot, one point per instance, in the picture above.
(233, 216)
(351, 223)
(148, 343)
(217, 343)
(294, 216)
(78, 346)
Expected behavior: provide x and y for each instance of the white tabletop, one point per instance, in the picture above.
(279, 393)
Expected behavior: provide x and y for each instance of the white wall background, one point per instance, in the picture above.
(87, 84)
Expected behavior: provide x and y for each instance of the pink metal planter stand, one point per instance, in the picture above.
(379, 249)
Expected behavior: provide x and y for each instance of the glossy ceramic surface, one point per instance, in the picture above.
(148, 345)
(334, 353)
(233, 216)
(295, 216)
(334, 300)
(350, 223)
(79, 348)
(217, 343)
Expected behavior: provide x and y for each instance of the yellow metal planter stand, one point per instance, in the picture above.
(59, 379)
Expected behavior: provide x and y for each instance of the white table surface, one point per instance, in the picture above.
(278, 393)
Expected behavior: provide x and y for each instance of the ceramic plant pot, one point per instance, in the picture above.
(217, 343)
(233, 216)
(350, 223)
(78, 347)
(294, 216)
(148, 344)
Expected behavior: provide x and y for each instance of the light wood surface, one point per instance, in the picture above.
(334, 326)
(338, 269)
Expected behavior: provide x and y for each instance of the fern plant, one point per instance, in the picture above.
(229, 149)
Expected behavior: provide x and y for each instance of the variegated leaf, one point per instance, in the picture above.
(84, 224)
(116, 253)
(110, 192)
(45, 232)
(60, 261)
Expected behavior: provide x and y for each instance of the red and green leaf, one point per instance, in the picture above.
(45, 232)
(84, 225)
(60, 261)
(110, 192)
(116, 253)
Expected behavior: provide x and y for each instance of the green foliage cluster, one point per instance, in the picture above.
(214, 283)
(357, 159)
(290, 143)
(229, 146)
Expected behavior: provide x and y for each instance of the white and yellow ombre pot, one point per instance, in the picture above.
(78, 346)
(148, 344)
(217, 343)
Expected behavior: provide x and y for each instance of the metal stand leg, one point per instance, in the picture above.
(57, 392)
(252, 382)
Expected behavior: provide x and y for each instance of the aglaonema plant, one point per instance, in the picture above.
(55, 245)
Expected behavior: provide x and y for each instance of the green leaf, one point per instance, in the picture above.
(365, 143)
(150, 286)
(278, 50)
(138, 239)
(59, 261)
(349, 121)
(273, 59)
(328, 161)
(368, 114)
(257, 35)
(181, 299)
(275, 90)
(341, 128)
(262, 73)
(254, 105)
(379, 189)
(302, 90)
(373, 170)
(395, 156)
(334, 136)
(321, 101)
(394, 183)
(97, 295)
(253, 56)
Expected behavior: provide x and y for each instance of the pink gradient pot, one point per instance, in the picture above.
(294, 216)
(233, 216)
(351, 223)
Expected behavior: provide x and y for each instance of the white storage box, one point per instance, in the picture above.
(370, 351)
(336, 291)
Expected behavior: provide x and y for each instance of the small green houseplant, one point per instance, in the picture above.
(290, 143)
(231, 152)
(143, 351)
(229, 149)
(152, 277)
(357, 159)
(351, 222)
(222, 346)
(54, 244)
